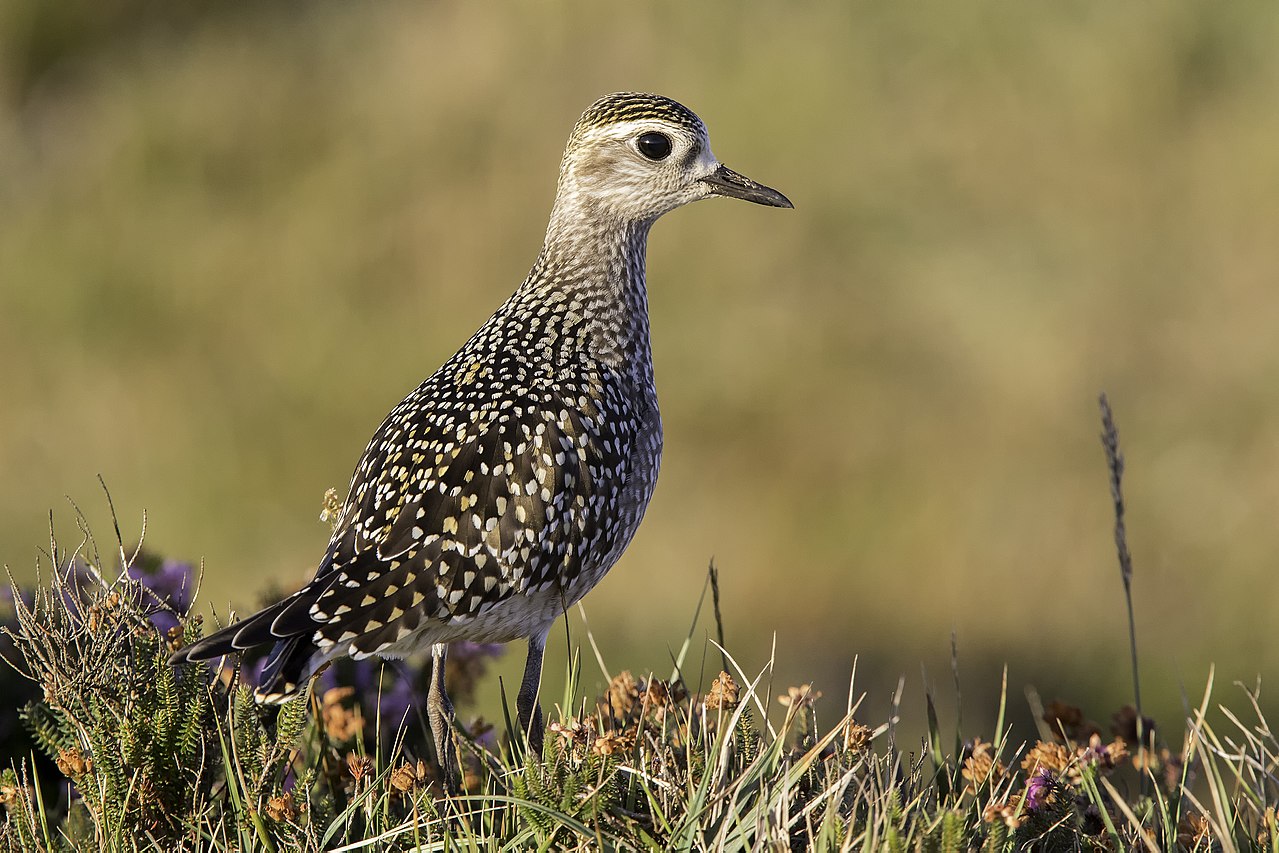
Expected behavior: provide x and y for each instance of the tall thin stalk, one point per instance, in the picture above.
(1115, 462)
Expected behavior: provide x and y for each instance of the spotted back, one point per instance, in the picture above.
(511, 469)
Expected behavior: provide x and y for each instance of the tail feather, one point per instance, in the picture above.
(288, 666)
(245, 634)
(292, 660)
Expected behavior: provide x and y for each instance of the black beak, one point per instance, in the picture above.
(724, 181)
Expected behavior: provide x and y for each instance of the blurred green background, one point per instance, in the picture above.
(233, 235)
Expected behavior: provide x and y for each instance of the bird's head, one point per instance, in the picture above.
(633, 157)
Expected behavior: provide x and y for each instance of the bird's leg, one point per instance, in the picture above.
(439, 711)
(530, 712)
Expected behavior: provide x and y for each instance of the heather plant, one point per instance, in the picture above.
(131, 733)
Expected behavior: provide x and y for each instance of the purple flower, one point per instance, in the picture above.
(1039, 789)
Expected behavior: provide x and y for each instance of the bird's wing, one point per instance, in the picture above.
(449, 515)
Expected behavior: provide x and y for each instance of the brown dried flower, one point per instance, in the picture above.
(614, 742)
(660, 697)
(656, 692)
(622, 695)
(981, 767)
(723, 693)
(568, 731)
(856, 736)
(73, 763)
(798, 698)
(1046, 756)
(359, 766)
(410, 776)
(341, 722)
(1007, 812)
(1116, 752)
(282, 808)
(99, 614)
(574, 735)
(175, 638)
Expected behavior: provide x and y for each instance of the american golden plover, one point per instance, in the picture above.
(504, 487)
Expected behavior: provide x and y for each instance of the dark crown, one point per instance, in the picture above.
(636, 106)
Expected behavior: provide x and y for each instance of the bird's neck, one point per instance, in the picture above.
(592, 268)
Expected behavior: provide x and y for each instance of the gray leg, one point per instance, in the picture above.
(439, 711)
(526, 703)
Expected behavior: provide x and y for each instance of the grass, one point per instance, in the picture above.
(150, 757)
(164, 759)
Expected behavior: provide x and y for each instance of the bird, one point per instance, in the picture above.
(505, 486)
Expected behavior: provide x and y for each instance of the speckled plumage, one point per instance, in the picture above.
(504, 487)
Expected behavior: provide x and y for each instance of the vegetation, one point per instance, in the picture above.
(153, 758)
(149, 757)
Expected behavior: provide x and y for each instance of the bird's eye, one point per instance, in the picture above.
(654, 146)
